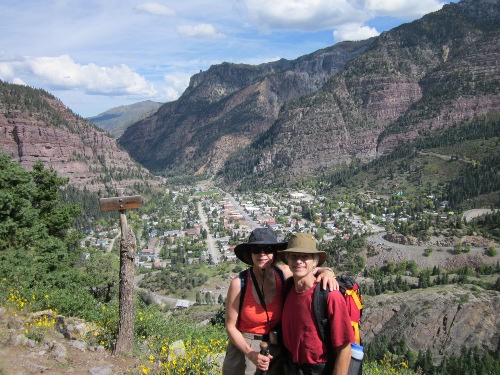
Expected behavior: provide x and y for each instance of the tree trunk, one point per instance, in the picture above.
(125, 339)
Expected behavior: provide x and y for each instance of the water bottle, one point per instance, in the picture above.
(357, 355)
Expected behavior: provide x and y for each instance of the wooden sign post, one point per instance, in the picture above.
(125, 339)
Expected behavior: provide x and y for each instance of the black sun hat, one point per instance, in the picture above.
(258, 237)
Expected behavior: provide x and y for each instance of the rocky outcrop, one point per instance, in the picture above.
(53, 352)
(444, 319)
(73, 147)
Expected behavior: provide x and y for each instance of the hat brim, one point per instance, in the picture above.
(242, 251)
(321, 254)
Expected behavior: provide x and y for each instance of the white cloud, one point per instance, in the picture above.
(306, 15)
(6, 71)
(64, 74)
(401, 8)
(175, 84)
(19, 81)
(203, 30)
(155, 9)
(347, 19)
(354, 32)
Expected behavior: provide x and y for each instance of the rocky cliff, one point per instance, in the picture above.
(36, 126)
(414, 80)
(444, 319)
(225, 108)
(354, 101)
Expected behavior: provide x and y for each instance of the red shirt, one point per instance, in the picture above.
(300, 334)
(253, 317)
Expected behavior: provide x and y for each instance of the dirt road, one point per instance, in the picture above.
(471, 214)
(443, 256)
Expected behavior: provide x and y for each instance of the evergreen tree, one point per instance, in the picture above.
(37, 244)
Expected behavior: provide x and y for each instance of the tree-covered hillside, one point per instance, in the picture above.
(459, 165)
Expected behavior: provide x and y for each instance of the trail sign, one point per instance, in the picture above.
(125, 339)
(120, 203)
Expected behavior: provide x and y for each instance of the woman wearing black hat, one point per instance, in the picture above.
(254, 306)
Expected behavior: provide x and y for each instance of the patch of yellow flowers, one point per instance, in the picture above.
(387, 366)
(197, 357)
(35, 325)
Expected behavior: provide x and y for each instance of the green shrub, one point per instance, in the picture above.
(491, 251)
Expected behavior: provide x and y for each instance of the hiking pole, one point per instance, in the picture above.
(264, 350)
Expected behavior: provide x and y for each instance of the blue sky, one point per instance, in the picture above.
(96, 55)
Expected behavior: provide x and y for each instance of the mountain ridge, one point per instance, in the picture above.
(117, 119)
(37, 126)
(369, 98)
(215, 112)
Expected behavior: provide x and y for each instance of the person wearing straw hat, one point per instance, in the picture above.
(308, 353)
(252, 316)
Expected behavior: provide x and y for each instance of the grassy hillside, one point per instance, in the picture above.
(461, 164)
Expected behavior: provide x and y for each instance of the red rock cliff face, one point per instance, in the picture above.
(459, 90)
(70, 145)
(354, 101)
(412, 81)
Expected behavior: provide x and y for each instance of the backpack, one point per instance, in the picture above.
(243, 275)
(352, 296)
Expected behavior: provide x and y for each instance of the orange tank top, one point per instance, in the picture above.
(253, 317)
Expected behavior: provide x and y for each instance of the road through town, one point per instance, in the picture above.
(471, 214)
(158, 298)
(238, 207)
(212, 248)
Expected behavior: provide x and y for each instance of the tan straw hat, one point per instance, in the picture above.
(302, 243)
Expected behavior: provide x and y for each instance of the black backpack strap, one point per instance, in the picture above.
(345, 282)
(259, 292)
(243, 275)
(320, 298)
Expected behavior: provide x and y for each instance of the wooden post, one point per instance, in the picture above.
(125, 339)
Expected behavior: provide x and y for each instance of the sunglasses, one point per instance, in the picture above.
(262, 249)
